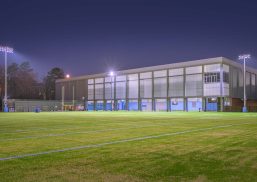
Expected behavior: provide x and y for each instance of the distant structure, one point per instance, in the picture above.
(214, 84)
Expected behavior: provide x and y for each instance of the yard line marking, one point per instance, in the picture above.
(117, 142)
(81, 132)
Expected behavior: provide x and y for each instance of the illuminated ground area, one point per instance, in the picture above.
(128, 146)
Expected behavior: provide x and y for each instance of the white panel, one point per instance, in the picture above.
(194, 85)
(146, 88)
(145, 75)
(133, 77)
(109, 79)
(193, 70)
(225, 89)
(121, 78)
(225, 68)
(121, 90)
(212, 68)
(253, 80)
(90, 92)
(212, 89)
(161, 73)
(175, 72)
(160, 87)
(133, 89)
(109, 90)
(99, 80)
(99, 91)
(90, 81)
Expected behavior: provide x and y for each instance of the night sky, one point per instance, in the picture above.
(92, 36)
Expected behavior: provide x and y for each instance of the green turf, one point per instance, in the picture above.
(185, 146)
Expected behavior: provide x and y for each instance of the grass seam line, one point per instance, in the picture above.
(117, 142)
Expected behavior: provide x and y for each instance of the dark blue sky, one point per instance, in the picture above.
(94, 36)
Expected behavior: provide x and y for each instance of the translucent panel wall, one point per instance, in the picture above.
(146, 85)
(99, 91)
(146, 88)
(176, 86)
(90, 92)
(160, 87)
(121, 90)
(133, 86)
(109, 90)
(194, 85)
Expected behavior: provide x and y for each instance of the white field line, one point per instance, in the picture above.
(117, 142)
(82, 132)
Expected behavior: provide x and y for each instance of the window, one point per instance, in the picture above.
(211, 77)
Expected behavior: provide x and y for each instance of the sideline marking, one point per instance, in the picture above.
(116, 142)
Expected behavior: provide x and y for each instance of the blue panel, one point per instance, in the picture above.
(179, 106)
(99, 106)
(133, 106)
(146, 106)
(211, 106)
(109, 106)
(194, 105)
(90, 106)
(121, 105)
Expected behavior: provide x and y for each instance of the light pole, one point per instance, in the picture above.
(5, 50)
(244, 57)
(112, 75)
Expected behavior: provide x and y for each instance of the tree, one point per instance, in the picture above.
(22, 81)
(49, 82)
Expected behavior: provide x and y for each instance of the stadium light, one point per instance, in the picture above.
(67, 76)
(112, 74)
(244, 57)
(6, 50)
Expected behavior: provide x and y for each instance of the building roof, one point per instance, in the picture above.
(165, 66)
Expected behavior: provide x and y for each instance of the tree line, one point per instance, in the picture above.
(23, 82)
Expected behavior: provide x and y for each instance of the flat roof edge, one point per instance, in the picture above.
(165, 66)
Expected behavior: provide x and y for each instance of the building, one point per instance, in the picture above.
(214, 84)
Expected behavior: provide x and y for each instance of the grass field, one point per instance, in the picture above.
(128, 146)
